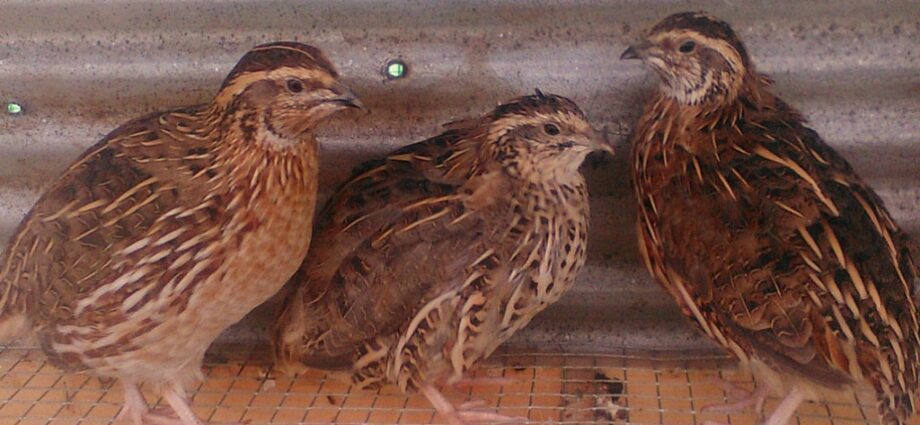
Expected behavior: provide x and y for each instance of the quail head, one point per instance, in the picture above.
(764, 234)
(173, 227)
(427, 260)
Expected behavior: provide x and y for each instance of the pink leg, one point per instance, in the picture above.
(454, 416)
(473, 404)
(745, 399)
(139, 413)
(161, 419)
(175, 397)
(464, 384)
(786, 408)
(483, 380)
(135, 407)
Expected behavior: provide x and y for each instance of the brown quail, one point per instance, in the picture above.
(429, 259)
(172, 228)
(764, 234)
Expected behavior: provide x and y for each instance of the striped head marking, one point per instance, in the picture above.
(284, 89)
(544, 131)
(698, 57)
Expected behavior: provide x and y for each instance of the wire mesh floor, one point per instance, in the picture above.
(544, 389)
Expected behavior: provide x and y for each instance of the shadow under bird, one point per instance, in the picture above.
(764, 234)
(426, 261)
(172, 228)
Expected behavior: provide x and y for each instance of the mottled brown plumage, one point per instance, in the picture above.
(424, 262)
(173, 227)
(763, 233)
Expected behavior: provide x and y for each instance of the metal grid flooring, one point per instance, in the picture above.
(545, 389)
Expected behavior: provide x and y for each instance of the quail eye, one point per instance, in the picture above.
(551, 129)
(687, 47)
(294, 86)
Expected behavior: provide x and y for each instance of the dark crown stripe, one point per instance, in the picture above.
(267, 57)
(538, 103)
(707, 26)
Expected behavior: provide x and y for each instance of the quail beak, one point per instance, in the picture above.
(345, 97)
(636, 51)
(598, 142)
(604, 146)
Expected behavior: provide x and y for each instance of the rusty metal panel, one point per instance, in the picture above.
(80, 67)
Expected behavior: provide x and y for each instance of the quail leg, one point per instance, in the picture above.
(177, 411)
(135, 407)
(175, 397)
(136, 410)
(786, 408)
(465, 413)
(467, 382)
(744, 399)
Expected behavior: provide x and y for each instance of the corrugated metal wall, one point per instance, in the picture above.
(81, 67)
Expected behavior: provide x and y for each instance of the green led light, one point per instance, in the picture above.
(13, 108)
(396, 69)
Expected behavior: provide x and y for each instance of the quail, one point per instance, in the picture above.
(172, 228)
(427, 260)
(763, 234)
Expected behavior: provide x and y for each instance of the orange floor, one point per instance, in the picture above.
(545, 389)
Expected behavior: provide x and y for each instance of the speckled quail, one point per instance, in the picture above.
(427, 260)
(173, 227)
(764, 234)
